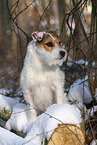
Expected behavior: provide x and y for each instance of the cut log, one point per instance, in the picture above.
(6, 106)
(67, 134)
(5, 114)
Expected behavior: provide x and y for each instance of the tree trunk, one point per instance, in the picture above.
(62, 10)
(93, 52)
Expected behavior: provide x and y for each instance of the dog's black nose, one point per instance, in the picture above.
(62, 54)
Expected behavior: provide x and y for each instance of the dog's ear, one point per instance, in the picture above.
(37, 36)
(55, 34)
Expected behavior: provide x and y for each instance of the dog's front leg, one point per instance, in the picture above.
(61, 96)
(32, 112)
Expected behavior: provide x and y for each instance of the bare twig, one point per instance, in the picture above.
(43, 14)
(23, 10)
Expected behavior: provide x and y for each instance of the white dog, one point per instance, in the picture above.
(41, 79)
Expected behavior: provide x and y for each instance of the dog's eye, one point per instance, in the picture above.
(60, 43)
(49, 44)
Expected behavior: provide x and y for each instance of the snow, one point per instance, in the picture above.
(92, 110)
(7, 103)
(43, 126)
(79, 92)
(4, 91)
(80, 62)
(94, 142)
(9, 138)
(46, 123)
(19, 118)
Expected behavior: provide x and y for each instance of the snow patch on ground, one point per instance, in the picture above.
(79, 92)
(94, 142)
(9, 138)
(80, 62)
(3, 91)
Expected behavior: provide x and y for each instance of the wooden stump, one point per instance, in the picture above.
(5, 114)
(67, 134)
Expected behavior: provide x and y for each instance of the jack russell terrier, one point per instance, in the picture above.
(41, 80)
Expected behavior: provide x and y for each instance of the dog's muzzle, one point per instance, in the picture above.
(62, 54)
(62, 57)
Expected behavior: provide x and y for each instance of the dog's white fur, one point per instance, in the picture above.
(41, 79)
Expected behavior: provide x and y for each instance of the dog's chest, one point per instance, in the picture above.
(44, 78)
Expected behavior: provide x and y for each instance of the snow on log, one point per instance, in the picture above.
(45, 125)
(18, 120)
(9, 138)
(5, 106)
(68, 134)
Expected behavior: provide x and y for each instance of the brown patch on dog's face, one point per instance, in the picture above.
(48, 41)
(57, 38)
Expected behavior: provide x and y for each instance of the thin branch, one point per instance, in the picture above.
(43, 14)
(14, 4)
(14, 8)
(77, 7)
(7, 4)
(23, 10)
(39, 16)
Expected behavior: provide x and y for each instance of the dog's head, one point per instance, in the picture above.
(49, 48)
